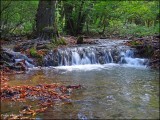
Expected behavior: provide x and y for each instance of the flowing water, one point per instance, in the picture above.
(102, 53)
(116, 85)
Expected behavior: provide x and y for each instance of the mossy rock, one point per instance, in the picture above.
(61, 41)
(148, 50)
(34, 53)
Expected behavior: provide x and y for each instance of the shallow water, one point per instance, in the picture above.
(109, 91)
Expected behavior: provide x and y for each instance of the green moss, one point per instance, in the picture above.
(33, 53)
(61, 41)
(55, 43)
(135, 43)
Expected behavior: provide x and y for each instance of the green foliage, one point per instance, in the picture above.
(115, 26)
(17, 17)
(138, 30)
(136, 18)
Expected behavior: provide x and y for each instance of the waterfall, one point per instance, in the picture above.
(78, 56)
(127, 57)
(92, 55)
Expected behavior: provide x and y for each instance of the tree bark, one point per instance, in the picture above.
(69, 23)
(74, 26)
(79, 25)
(45, 20)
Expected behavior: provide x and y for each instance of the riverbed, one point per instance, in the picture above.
(110, 91)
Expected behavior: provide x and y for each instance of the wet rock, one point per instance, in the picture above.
(116, 59)
(6, 57)
(41, 47)
(123, 61)
(51, 59)
(101, 60)
(15, 61)
(115, 54)
(155, 61)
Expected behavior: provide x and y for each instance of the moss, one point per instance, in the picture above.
(61, 41)
(135, 43)
(55, 43)
(34, 53)
(37, 55)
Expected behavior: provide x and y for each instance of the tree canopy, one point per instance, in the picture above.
(138, 18)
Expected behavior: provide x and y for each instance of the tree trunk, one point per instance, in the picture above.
(69, 24)
(74, 24)
(87, 27)
(79, 25)
(45, 20)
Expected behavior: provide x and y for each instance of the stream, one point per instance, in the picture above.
(116, 84)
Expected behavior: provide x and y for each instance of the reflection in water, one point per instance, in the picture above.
(109, 92)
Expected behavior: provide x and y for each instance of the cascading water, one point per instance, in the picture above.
(128, 58)
(96, 54)
(78, 56)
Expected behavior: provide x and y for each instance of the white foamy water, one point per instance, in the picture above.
(99, 56)
(90, 67)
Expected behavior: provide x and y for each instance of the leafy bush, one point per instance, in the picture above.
(115, 26)
(138, 30)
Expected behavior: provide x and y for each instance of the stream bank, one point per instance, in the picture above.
(146, 47)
